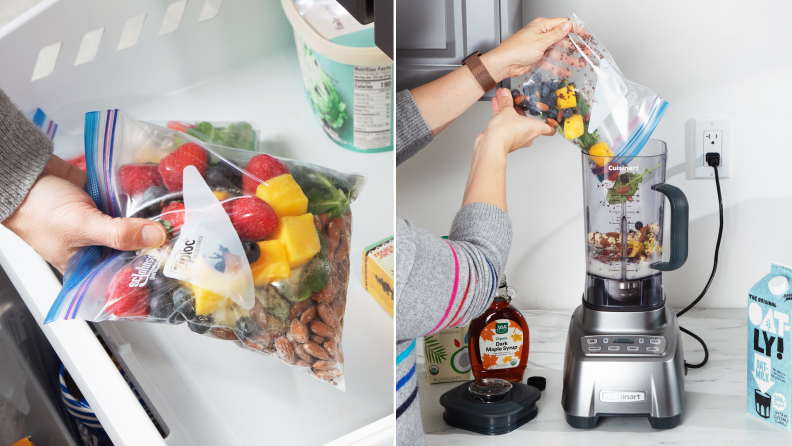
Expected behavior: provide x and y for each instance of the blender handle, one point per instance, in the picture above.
(679, 227)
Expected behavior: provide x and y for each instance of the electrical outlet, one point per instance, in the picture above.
(712, 135)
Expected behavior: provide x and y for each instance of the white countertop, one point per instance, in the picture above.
(715, 394)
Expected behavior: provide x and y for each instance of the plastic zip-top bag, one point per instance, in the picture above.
(578, 88)
(257, 249)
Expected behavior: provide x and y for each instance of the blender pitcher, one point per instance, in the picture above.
(626, 238)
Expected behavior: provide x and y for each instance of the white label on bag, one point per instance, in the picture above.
(373, 86)
(611, 92)
(208, 253)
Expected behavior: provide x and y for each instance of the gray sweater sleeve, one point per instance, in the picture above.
(24, 151)
(412, 131)
(446, 283)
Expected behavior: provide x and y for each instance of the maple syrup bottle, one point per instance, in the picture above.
(499, 339)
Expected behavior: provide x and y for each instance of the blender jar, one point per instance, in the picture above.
(624, 200)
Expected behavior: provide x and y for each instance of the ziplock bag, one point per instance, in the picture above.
(66, 145)
(578, 89)
(239, 135)
(257, 249)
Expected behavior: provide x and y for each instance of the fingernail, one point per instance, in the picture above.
(566, 27)
(153, 236)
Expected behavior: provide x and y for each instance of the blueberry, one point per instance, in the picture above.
(552, 113)
(624, 178)
(223, 175)
(246, 327)
(545, 91)
(515, 93)
(534, 111)
(529, 90)
(252, 250)
(537, 77)
(553, 84)
(220, 266)
(525, 105)
(566, 113)
(153, 193)
(201, 324)
(184, 301)
(638, 225)
(531, 99)
(547, 100)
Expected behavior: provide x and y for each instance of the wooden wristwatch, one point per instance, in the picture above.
(473, 62)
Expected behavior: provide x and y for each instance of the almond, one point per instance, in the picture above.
(299, 331)
(259, 314)
(301, 363)
(552, 122)
(332, 348)
(519, 99)
(298, 308)
(300, 351)
(223, 333)
(284, 349)
(322, 329)
(309, 314)
(542, 106)
(328, 374)
(318, 339)
(323, 365)
(327, 314)
(323, 295)
(316, 350)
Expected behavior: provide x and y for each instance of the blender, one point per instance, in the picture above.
(623, 353)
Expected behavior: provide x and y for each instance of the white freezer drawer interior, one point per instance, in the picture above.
(206, 391)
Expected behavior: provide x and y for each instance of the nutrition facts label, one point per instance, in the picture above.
(373, 99)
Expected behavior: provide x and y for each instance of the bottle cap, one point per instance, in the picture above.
(778, 285)
(537, 381)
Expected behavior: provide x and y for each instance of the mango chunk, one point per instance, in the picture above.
(207, 302)
(600, 153)
(272, 265)
(220, 194)
(573, 127)
(284, 195)
(299, 238)
(565, 97)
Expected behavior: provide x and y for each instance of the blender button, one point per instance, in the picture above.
(640, 340)
(591, 341)
(614, 348)
(652, 349)
(632, 348)
(605, 340)
(654, 341)
(595, 349)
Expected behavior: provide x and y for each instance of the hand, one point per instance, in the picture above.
(515, 55)
(58, 218)
(509, 129)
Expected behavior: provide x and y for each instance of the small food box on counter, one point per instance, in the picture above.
(446, 355)
(769, 355)
(378, 272)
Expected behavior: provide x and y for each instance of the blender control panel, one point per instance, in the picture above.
(623, 345)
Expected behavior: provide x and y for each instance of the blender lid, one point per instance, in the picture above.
(466, 408)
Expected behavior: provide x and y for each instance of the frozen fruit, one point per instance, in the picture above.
(537, 77)
(154, 192)
(552, 113)
(638, 225)
(534, 111)
(515, 92)
(173, 213)
(184, 302)
(624, 178)
(171, 167)
(284, 195)
(573, 127)
(601, 154)
(261, 168)
(78, 162)
(220, 194)
(126, 296)
(207, 302)
(180, 126)
(545, 91)
(246, 327)
(223, 175)
(134, 179)
(299, 238)
(252, 250)
(567, 113)
(201, 324)
(161, 306)
(565, 97)
(253, 218)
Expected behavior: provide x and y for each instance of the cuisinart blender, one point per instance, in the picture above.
(623, 353)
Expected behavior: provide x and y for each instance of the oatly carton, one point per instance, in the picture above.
(769, 348)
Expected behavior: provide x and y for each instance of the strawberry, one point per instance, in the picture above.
(134, 179)
(79, 162)
(173, 213)
(262, 167)
(171, 167)
(125, 295)
(253, 218)
(180, 126)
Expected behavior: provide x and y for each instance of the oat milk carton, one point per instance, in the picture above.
(769, 343)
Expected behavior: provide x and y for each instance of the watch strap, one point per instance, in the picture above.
(474, 64)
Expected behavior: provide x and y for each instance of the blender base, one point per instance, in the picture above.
(623, 364)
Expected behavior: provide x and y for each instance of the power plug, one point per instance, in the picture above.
(713, 159)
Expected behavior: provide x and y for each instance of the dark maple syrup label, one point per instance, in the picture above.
(500, 344)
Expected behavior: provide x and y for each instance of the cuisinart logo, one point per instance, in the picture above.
(184, 255)
(624, 168)
(613, 396)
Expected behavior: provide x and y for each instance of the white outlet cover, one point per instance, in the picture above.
(700, 167)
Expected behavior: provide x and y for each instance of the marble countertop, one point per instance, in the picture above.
(715, 394)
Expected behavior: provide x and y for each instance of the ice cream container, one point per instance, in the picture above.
(770, 348)
(446, 356)
(348, 80)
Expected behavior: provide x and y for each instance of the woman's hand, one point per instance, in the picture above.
(509, 129)
(58, 218)
(515, 55)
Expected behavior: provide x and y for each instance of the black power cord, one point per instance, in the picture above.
(713, 160)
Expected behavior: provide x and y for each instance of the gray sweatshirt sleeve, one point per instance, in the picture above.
(24, 151)
(446, 283)
(412, 131)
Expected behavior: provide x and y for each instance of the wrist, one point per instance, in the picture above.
(493, 62)
(494, 145)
